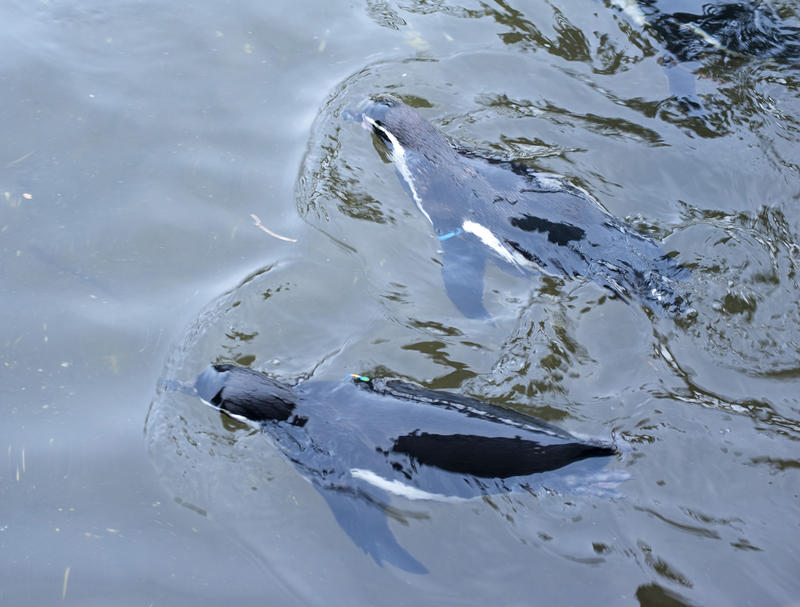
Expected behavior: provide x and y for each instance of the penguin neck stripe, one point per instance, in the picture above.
(399, 157)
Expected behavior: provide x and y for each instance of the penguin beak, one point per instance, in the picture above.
(372, 118)
(370, 122)
(368, 111)
(352, 116)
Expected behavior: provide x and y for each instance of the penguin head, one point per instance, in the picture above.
(399, 127)
(245, 394)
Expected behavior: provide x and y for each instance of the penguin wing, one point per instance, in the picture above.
(364, 519)
(463, 265)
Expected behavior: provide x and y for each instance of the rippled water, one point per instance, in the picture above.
(140, 136)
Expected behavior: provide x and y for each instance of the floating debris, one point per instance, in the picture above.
(64, 587)
(261, 226)
(20, 159)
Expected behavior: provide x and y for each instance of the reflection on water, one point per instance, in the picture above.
(616, 127)
(751, 312)
(713, 41)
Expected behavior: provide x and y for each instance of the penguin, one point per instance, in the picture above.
(483, 208)
(360, 440)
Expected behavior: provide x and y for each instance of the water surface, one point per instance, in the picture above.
(140, 136)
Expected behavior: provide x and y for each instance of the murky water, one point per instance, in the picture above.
(138, 139)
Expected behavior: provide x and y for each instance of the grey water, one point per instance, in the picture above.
(140, 136)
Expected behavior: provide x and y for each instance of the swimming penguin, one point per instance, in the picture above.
(482, 208)
(361, 439)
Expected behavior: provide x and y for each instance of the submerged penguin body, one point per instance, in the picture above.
(482, 208)
(358, 441)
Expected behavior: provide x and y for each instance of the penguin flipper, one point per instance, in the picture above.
(366, 524)
(462, 270)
